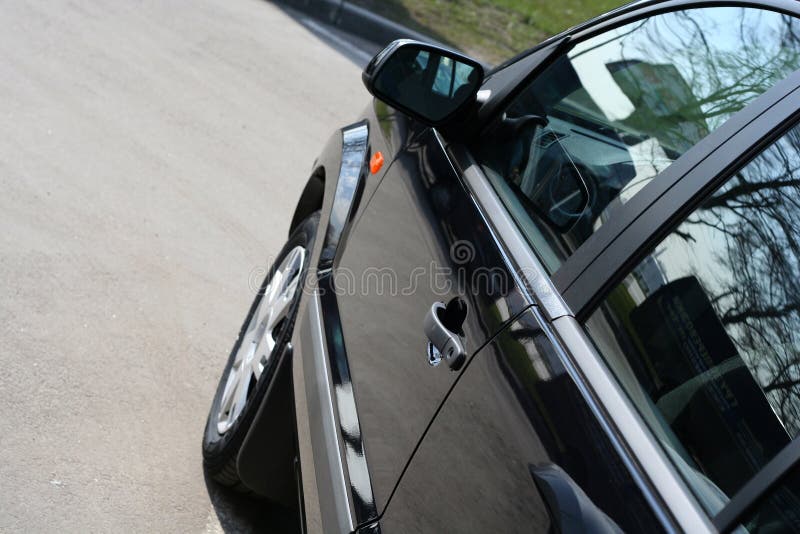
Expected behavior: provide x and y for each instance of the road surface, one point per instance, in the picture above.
(151, 153)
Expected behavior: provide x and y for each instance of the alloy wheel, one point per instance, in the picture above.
(260, 337)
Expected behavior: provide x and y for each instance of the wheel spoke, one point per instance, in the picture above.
(262, 310)
(254, 320)
(245, 347)
(240, 396)
(278, 311)
(272, 290)
(226, 403)
(259, 359)
(285, 292)
(258, 340)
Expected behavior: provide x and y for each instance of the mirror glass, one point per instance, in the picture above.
(426, 82)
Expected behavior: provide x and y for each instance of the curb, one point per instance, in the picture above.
(356, 20)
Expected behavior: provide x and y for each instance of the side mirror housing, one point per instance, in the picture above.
(430, 83)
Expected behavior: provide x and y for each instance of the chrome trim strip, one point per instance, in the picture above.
(599, 389)
(307, 490)
(332, 486)
(354, 151)
(350, 184)
(362, 498)
(525, 264)
(605, 392)
(328, 492)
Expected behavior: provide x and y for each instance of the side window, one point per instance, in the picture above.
(450, 77)
(704, 333)
(609, 115)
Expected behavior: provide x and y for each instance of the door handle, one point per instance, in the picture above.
(443, 326)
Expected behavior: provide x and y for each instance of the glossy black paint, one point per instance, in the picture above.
(349, 187)
(339, 206)
(516, 449)
(390, 131)
(347, 195)
(418, 215)
(388, 134)
(398, 55)
(512, 409)
(355, 456)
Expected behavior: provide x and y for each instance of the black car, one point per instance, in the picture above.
(559, 295)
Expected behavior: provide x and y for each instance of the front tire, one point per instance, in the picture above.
(254, 358)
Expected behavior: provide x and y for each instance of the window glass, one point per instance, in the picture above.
(704, 333)
(451, 76)
(605, 118)
(421, 61)
(444, 77)
(462, 75)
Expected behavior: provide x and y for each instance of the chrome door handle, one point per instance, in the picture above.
(445, 335)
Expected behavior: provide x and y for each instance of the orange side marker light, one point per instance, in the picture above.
(376, 162)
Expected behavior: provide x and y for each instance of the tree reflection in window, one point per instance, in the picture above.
(622, 106)
(752, 226)
(704, 333)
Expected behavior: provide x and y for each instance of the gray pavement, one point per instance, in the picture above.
(151, 153)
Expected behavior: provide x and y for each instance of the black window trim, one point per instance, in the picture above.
(668, 212)
(510, 78)
(657, 7)
(600, 264)
(743, 132)
(758, 487)
(631, 11)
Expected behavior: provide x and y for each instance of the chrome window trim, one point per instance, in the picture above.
(642, 444)
(524, 263)
(599, 389)
(641, 479)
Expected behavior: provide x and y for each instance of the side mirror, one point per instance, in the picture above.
(425, 81)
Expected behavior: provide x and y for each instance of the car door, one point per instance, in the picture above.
(418, 241)
(516, 448)
(703, 346)
(642, 169)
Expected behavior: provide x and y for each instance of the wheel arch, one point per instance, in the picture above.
(311, 198)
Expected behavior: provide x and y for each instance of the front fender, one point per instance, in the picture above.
(388, 134)
(339, 187)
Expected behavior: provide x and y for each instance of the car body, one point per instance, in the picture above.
(629, 353)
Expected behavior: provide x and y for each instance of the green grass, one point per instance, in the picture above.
(491, 30)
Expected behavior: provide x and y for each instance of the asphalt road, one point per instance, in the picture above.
(151, 154)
